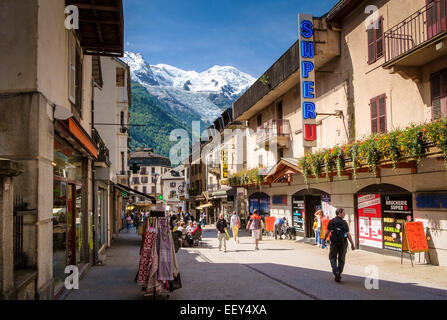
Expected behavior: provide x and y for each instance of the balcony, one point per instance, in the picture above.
(213, 187)
(417, 40)
(274, 129)
(214, 168)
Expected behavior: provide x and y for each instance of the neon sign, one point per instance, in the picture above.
(307, 82)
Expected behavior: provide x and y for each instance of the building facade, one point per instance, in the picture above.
(146, 170)
(46, 85)
(173, 189)
(376, 80)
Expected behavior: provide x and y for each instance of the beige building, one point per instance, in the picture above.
(111, 119)
(149, 168)
(173, 189)
(374, 73)
(46, 83)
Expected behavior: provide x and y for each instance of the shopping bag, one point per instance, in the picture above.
(175, 284)
(227, 236)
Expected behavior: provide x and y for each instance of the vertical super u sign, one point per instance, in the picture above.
(307, 54)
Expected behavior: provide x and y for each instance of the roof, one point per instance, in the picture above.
(146, 157)
(342, 9)
(101, 26)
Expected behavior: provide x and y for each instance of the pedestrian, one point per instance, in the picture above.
(203, 219)
(221, 226)
(318, 216)
(235, 224)
(340, 235)
(316, 232)
(128, 222)
(278, 227)
(255, 225)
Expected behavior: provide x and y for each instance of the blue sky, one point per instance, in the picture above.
(198, 34)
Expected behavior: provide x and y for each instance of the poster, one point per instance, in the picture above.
(264, 204)
(328, 209)
(298, 214)
(370, 221)
(396, 210)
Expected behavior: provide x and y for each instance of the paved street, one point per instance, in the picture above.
(284, 270)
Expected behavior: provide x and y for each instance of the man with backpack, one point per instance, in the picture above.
(340, 235)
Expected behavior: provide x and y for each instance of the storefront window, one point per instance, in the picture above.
(67, 209)
(59, 233)
(261, 202)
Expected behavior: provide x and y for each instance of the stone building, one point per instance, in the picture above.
(47, 77)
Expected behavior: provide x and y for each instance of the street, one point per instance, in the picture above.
(280, 270)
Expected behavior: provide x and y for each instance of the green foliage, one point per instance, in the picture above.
(157, 119)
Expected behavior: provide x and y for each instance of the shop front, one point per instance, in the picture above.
(305, 204)
(380, 214)
(261, 202)
(70, 221)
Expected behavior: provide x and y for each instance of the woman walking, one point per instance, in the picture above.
(235, 224)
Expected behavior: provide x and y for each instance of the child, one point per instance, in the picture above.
(316, 232)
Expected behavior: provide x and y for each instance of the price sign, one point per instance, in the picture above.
(414, 239)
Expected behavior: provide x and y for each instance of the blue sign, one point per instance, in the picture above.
(431, 200)
(307, 66)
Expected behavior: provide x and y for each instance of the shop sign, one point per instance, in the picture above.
(431, 200)
(370, 221)
(298, 209)
(396, 210)
(307, 79)
(224, 164)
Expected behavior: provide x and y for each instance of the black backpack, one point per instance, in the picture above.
(337, 231)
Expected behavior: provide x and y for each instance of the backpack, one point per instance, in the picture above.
(337, 231)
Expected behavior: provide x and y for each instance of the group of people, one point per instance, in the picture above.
(133, 220)
(337, 231)
(184, 224)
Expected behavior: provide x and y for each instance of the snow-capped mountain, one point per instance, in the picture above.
(204, 94)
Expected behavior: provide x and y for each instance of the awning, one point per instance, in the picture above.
(221, 194)
(72, 131)
(134, 192)
(204, 206)
(282, 171)
(101, 26)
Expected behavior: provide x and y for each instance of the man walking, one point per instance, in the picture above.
(255, 225)
(221, 227)
(235, 224)
(340, 235)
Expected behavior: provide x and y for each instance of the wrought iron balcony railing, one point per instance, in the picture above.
(419, 28)
(272, 129)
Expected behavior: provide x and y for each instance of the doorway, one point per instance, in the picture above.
(304, 205)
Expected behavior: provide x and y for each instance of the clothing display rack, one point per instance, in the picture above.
(158, 273)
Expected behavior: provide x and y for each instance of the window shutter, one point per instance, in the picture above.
(371, 49)
(71, 68)
(373, 105)
(379, 39)
(435, 83)
(382, 114)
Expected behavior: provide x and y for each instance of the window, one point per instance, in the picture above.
(279, 109)
(438, 85)
(153, 170)
(144, 179)
(74, 73)
(172, 194)
(260, 161)
(378, 114)
(172, 184)
(136, 180)
(375, 41)
(122, 162)
(259, 119)
(153, 190)
(120, 77)
(144, 189)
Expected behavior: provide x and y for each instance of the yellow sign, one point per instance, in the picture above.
(224, 164)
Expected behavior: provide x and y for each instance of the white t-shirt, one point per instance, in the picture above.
(234, 220)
